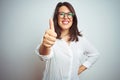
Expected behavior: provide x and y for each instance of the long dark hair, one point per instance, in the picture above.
(74, 32)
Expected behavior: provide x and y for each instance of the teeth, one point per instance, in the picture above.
(65, 22)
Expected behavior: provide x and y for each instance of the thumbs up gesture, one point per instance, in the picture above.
(50, 35)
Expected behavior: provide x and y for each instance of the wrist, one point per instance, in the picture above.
(81, 69)
(44, 50)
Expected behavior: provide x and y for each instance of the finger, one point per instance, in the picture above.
(51, 24)
(51, 33)
(47, 43)
(50, 38)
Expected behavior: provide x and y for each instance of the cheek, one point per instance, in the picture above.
(71, 22)
(59, 21)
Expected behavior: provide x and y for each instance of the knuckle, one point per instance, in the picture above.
(46, 36)
(55, 34)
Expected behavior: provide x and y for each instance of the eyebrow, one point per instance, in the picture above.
(64, 12)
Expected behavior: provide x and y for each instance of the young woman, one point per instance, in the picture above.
(63, 47)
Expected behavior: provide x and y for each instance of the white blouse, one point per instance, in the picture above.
(64, 60)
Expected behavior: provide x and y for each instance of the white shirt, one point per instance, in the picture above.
(64, 60)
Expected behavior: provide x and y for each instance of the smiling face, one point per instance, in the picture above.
(65, 18)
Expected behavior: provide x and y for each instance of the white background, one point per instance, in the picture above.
(23, 22)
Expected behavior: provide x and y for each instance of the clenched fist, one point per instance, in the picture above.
(50, 35)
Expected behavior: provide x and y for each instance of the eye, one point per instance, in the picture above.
(70, 14)
(62, 13)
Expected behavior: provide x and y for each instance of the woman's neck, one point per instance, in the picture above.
(65, 35)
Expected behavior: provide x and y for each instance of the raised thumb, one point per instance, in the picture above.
(51, 24)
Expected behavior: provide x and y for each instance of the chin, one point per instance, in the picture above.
(65, 27)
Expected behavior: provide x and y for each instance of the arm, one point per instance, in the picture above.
(45, 50)
(81, 69)
(92, 55)
(48, 40)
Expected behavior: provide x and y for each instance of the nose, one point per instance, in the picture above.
(66, 16)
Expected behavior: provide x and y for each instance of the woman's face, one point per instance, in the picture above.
(65, 18)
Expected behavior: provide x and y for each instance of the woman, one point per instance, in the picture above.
(63, 47)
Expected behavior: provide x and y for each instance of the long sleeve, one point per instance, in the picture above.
(91, 52)
(43, 57)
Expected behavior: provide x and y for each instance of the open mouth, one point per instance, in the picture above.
(65, 22)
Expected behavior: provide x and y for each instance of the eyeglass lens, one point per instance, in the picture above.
(69, 14)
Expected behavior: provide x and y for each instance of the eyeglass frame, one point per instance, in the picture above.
(62, 14)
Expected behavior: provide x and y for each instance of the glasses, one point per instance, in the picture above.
(62, 14)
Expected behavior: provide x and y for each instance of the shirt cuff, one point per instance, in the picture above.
(87, 64)
(44, 57)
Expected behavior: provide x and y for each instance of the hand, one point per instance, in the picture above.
(49, 36)
(81, 69)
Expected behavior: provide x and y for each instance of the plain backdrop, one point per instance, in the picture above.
(23, 23)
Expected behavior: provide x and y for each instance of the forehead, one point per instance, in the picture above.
(64, 9)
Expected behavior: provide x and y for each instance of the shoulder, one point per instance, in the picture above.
(82, 39)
